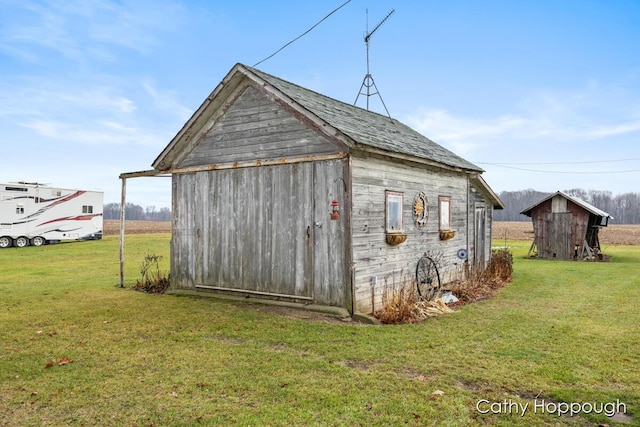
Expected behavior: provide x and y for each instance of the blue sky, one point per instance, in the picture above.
(541, 94)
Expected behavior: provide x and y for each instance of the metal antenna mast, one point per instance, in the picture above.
(368, 82)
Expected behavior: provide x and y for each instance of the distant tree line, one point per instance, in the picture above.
(137, 212)
(624, 208)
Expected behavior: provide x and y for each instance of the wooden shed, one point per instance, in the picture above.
(282, 193)
(566, 227)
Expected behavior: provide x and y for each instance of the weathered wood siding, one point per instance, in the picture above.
(553, 235)
(559, 225)
(392, 265)
(256, 128)
(264, 230)
(479, 228)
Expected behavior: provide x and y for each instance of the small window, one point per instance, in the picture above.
(16, 189)
(444, 212)
(87, 209)
(56, 193)
(394, 203)
(20, 209)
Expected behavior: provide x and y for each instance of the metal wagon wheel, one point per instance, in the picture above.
(427, 278)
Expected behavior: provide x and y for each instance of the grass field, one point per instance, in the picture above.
(77, 350)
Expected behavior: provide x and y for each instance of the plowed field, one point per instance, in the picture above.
(614, 234)
(112, 227)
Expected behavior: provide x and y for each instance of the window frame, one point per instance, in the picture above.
(87, 209)
(394, 198)
(444, 212)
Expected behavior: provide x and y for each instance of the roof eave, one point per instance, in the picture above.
(584, 205)
(495, 200)
(394, 154)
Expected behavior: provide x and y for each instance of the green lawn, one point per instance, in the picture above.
(77, 350)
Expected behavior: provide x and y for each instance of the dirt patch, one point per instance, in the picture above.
(354, 364)
(112, 227)
(296, 313)
(614, 234)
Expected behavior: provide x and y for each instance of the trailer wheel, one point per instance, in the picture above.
(5, 242)
(38, 241)
(21, 242)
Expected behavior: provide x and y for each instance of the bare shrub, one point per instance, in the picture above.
(500, 266)
(482, 283)
(398, 302)
(153, 280)
(401, 303)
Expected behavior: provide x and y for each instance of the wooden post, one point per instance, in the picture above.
(123, 198)
(123, 204)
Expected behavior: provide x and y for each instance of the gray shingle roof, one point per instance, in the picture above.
(365, 127)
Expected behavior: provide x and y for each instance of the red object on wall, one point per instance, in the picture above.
(335, 210)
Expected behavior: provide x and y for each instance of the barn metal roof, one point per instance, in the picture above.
(366, 128)
(587, 206)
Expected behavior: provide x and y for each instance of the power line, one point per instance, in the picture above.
(562, 172)
(557, 163)
(303, 34)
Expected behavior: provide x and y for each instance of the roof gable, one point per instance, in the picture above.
(254, 128)
(344, 125)
(586, 206)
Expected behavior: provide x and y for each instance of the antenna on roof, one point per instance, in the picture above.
(368, 82)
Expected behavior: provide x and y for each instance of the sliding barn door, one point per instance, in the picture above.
(264, 231)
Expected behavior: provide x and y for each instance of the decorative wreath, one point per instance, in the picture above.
(421, 209)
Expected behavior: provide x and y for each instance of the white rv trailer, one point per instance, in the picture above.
(36, 214)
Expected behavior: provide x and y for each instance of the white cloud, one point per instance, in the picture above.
(166, 101)
(94, 132)
(43, 28)
(603, 131)
(41, 97)
(88, 113)
(541, 124)
(80, 30)
(597, 123)
(464, 134)
(125, 105)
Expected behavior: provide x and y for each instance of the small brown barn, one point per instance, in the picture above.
(282, 193)
(566, 227)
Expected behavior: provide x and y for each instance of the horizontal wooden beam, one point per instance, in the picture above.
(151, 172)
(251, 292)
(409, 158)
(255, 163)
